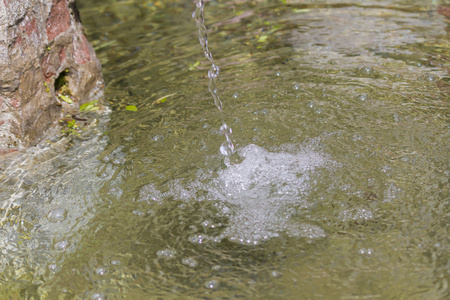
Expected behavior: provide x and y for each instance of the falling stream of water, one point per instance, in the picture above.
(227, 147)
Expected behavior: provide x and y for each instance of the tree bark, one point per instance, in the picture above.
(41, 45)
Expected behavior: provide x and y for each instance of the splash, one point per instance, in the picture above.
(261, 197)
(227, 147)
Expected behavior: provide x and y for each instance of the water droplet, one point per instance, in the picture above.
(212, 284)
(225, 130)
(191, 262)
(227, 148)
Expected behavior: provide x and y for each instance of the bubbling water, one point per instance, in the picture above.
(227, 147)
(260, 196)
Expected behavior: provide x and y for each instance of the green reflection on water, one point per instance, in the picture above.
(364, 85)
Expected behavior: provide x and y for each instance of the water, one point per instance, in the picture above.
(338, 188)
(227, 147)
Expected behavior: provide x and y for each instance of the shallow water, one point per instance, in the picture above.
(338, 188)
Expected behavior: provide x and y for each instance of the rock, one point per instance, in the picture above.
(43, 52)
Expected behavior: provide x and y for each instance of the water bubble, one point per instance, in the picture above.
(362, 97)
(97, 296)
(100, 271)
(366, 71)
(52, 267)
(33, 244)
(167, 253)
(199, 239)
(138, 212)
(157, 138)
(391, 193)
(396, 118)
(235, 95)
(296, 86)
(61, 245)
(212, 284)
(191, 262)
(117, 161)
(365, 251)
(57, 215)
(278, 73)
(430, 78)
(276, 274)
(310, 104)
(216, 268)
(115, 262)
(227, 148)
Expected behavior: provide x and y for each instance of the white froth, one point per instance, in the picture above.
(258, 195)
(261, 190)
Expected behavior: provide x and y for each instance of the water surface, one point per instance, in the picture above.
(338, 188)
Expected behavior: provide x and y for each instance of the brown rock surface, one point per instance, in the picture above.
(41, 41)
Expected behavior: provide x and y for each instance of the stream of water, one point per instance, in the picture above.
(338, 187)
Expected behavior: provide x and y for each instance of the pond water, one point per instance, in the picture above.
(338, 187)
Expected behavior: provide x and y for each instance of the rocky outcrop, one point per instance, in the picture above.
(43, 53)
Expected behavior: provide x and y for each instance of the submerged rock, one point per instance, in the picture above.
(43, 53)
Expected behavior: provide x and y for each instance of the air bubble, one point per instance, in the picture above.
(366, 71)
(235, 95)
(212, 284)
(97, 296)
(100, 271)
(61, 245)
(57, 215)
(167, 253)
(362, 97)
(191, 262)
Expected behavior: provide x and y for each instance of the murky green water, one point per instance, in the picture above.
(339, 187)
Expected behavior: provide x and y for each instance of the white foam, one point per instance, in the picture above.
(258, 196)
(264, 190)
